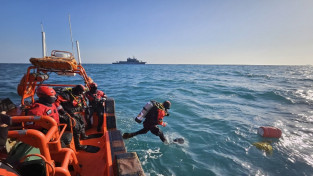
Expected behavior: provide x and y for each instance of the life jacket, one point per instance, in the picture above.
(41, 109)
(69, 101)
(155, 115)
(95, 96)
(66, 95)
(75, 100)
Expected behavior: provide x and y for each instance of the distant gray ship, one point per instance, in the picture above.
(130, 61)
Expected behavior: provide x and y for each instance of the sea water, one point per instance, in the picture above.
(217, 109)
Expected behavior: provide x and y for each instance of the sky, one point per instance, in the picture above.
(250, 32)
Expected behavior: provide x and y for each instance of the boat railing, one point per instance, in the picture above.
(28, 84)
(48, 144)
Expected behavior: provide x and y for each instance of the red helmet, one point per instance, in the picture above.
(45, 91)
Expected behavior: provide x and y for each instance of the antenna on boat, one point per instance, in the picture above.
(44, 48)
(69, 20)
(78, 53)
(77, 43)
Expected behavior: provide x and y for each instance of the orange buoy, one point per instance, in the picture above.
(270, 132)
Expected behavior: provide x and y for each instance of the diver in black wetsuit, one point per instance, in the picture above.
(72, 100)
(96, 104)
(153, 118)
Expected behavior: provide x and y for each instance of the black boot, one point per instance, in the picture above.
(81, 147)
(128, 135)
(77, 143)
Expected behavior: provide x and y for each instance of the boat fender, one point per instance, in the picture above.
(270, 132)
(144, 112)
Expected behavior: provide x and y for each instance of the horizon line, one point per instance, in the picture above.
(181, 64)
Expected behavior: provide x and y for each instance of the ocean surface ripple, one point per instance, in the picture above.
(217, 109)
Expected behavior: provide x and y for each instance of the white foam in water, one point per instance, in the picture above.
(154, 154)
(306, 94)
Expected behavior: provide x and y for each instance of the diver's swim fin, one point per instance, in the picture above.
(179, 140)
